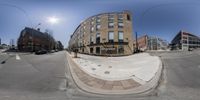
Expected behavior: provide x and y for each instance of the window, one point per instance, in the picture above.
(91, 39)
(128, 17)
(92, 18)
(92, 29)
(111, 36)
(97, 50)
(121, 36)
(120, 24)
(30, 37)
(120, 49)
(98, 38)
(91, 50)
(110, 18)
(92, 23)
(120, 17)
(98, 20)
(110, 25)
(98, 26)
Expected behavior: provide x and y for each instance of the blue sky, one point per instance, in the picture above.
(162, 18)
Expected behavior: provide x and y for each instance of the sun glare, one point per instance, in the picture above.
(53, 20)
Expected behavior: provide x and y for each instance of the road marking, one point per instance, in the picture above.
(62, 85)
(17, 57)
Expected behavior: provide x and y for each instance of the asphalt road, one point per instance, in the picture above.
(182, 76)
(32, 77)
(42, 77)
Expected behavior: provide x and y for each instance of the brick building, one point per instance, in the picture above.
(107, 34)
(142, 43)
(185, 41)
(32, 40)
(151, 43)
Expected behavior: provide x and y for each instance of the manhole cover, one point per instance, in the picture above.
(106, 72)
(99, 65)
(93, 68)
(109, 66)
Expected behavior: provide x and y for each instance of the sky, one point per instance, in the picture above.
(161, 18)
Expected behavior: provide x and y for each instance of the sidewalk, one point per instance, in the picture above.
(115, 75)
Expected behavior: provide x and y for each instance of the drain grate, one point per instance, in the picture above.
(106, 72)
(93, 68)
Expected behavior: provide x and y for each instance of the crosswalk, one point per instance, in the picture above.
(18, 57)
(5, 56)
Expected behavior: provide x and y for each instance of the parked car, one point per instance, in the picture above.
(190, 49)
(41, 52)
(52, 51)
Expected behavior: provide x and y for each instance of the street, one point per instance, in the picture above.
(32, 77)
(182, 76)
(42, 77)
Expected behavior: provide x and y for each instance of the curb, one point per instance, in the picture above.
(152, 84)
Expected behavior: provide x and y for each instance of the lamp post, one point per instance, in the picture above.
(136, 41)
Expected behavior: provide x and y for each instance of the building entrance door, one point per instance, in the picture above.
(97, 50)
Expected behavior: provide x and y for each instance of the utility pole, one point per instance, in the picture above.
(136, 41)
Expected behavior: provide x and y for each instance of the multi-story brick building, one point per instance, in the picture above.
(142, 43)
(107, 34)
(151, 43)
(185, 41)
(33, 40)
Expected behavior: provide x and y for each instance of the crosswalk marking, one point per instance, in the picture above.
(17, 57)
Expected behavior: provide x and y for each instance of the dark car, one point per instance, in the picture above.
(41, 52)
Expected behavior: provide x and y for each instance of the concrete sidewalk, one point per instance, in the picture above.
(115, 75)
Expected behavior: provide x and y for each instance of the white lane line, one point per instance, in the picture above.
(17, 57)
(62, 85)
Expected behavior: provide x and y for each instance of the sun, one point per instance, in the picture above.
(53, 20)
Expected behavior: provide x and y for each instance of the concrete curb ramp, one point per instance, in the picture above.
(94, 85)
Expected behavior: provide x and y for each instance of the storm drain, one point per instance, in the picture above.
(93, 68)
(106, 72)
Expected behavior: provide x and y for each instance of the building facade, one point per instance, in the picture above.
(142, 43)
(108, 34)
(185, 41)
(151, 43)
(156, 43)
(59, 45)
(31, 40)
